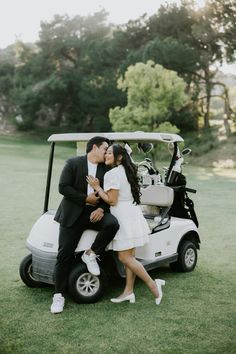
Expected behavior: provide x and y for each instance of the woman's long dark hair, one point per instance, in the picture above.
(130, 170)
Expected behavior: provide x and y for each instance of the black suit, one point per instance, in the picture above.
(74, 217)
(73, 186)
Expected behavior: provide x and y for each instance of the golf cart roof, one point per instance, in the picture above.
(118, 136)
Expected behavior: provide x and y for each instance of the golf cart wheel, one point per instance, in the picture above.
(26, 273)
(85, 287)
(187, 258)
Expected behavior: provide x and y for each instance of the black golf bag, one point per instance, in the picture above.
(183, 206)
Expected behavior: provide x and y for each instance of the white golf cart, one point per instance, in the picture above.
(170, 213)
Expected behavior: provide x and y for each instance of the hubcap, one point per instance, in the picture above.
(189, 257)
(87, 284)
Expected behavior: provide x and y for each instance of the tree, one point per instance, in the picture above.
(67, 81)
(223, 18)
(173, 55)
(153, 95)
(191, 32)
(6, 86)
(69, 77)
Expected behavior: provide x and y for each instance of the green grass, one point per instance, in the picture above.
(197, 315)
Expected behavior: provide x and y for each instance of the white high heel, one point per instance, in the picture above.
(130, 298)
(159, 284)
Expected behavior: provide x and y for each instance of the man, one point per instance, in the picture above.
(81, 209)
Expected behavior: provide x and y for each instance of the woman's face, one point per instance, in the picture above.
(109, 157)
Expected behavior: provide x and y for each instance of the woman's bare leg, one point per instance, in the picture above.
(129, 282)
(130, 279)
(130, 262)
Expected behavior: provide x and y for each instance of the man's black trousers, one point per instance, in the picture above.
(70, 236)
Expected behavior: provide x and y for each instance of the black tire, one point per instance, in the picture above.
(89, 293)
(187, 258)
(26, 273)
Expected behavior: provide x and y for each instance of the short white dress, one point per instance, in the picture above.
(134, 229)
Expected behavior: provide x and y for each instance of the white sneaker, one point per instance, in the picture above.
(58, 302)
(90, 261)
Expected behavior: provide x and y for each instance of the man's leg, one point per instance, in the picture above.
(107, 228)
(68, 240)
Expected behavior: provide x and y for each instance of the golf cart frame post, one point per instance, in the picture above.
(49, 177)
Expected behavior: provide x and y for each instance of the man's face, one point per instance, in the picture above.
(100, 152)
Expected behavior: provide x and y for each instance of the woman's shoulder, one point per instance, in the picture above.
(112, 179)
(121, 170)
(110, 173)
(113, 172)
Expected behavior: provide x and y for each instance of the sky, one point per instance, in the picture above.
(20, 19)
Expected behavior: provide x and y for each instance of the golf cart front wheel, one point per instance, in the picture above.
(187, 258)
(26, 273)
(85, 287)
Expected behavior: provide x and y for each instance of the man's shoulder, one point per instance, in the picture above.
(76, 159)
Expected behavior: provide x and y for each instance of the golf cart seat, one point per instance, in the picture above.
(156, 201)
(158, 195)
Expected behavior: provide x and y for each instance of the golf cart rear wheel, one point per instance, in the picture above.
(187, 258)
(85, 287)
(26, 273)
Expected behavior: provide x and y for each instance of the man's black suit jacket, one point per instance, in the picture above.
(73, 186)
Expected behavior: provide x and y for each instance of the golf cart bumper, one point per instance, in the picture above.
(43, 264)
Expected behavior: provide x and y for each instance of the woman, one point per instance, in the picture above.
(122, 193)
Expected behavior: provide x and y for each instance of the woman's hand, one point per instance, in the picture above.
(110, 197)
(93, 182)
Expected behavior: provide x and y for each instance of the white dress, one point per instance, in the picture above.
(134, 229)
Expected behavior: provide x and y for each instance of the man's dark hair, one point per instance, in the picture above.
(97, 140)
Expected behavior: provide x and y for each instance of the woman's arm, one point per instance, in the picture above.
(110, 197)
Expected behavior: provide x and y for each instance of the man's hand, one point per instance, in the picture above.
(97, 215)
(92, 199)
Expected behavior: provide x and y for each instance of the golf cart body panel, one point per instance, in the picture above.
(47, 226)
(165, 242)
(161, 244)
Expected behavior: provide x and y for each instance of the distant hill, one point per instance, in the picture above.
(222, 156)
(228, 79)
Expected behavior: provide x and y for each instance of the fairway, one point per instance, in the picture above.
(197, 314)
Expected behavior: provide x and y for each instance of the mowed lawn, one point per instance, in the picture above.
(197, 314)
